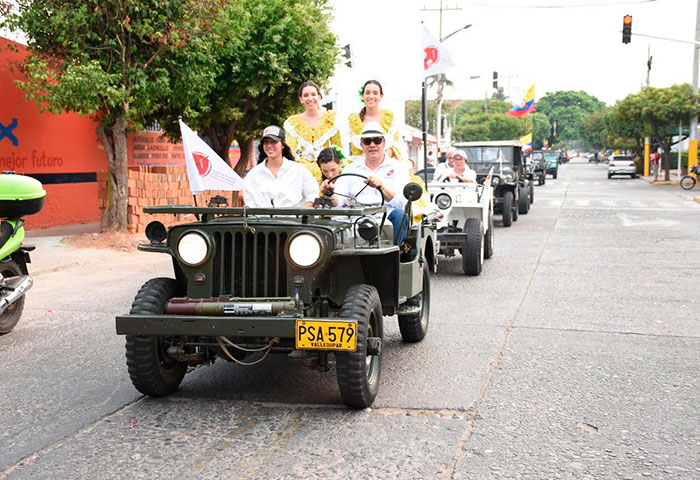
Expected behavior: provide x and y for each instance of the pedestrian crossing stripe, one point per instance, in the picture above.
(610, 204)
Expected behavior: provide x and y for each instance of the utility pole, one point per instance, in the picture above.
(693, 143)
(441, 84)
(647, 140)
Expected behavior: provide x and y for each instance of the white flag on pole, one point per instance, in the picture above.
(205, 169)
(436, 59)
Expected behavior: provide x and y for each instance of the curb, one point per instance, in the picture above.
(667, 184)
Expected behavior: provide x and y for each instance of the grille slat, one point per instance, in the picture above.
(249, 264)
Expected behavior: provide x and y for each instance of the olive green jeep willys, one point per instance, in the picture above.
(311, 283)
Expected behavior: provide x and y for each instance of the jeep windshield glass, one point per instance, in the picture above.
(482, 159)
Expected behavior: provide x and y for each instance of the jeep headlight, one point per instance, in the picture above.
(509, 177)
(443, 201)
(304, 250)
(193, 248)
(495, 180)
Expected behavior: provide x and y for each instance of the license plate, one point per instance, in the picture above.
(326, 335)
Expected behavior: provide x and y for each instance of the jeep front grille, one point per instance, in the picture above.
(250, 264)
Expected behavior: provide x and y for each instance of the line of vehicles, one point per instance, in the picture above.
(314, 284)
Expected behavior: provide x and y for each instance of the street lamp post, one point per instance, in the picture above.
(441, 86)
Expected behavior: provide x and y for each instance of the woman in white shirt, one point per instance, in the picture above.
(278, 180)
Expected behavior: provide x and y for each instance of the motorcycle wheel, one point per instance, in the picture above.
(10, 317)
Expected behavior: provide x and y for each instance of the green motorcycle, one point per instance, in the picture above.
(19, 196)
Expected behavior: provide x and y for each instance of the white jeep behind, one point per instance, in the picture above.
(465, 222)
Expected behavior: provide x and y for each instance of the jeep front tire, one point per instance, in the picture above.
(508, 209)
(358, 372)
(473, 250)
(414, 326)
(153, 372)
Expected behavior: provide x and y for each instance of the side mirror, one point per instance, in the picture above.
(412, 191)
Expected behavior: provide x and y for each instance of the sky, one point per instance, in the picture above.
(570, 45)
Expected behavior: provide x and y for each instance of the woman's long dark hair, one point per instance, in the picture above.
(286, 152)
(363, 112)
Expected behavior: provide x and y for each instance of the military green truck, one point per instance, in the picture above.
(311, 283)
(510, 183)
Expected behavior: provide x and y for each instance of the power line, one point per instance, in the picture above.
(573, 5)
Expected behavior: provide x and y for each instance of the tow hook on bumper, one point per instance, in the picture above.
(12, 289)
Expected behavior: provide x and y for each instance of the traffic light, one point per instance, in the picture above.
(626, 28)
(495, 80)
(347, 53)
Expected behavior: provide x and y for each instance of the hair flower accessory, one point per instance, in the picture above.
(360, 92)
(339, 151)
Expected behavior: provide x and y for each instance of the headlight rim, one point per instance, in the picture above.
(446, 195)
(207, 240)
(315, 236)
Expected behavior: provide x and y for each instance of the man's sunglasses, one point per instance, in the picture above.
(370, 141)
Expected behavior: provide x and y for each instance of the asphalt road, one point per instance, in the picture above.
(574, 355)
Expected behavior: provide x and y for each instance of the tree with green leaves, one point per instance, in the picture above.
(594, 130)
(268, 48)
(662, 109)
(414, 116)
(113, 61)
(569, 109)
(540, 129)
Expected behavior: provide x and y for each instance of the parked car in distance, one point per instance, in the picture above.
(622, 165)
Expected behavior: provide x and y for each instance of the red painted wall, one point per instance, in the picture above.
(48, 144)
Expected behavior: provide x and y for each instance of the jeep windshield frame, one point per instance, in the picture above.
(249, 212)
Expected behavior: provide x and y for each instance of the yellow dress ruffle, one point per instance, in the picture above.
(386, 121)
(307, 142)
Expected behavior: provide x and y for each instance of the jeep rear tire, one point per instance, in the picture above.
(10, 317)
(554, 175)
(473, 249)
(532, 192)
(507, 209)
(523, 201)
(153, 372)
(358, 373)
(488, 239)
(516, 202)
(414, 326)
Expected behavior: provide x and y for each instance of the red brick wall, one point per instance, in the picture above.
(159, 185)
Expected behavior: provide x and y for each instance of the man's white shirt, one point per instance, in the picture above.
(392, 173)
(468, 174)
(293, 187)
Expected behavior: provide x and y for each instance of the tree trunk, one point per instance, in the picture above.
(114, 142)
(247, 147)
(219, 143)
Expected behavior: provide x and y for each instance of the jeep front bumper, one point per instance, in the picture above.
(200, 325)
(452, 240)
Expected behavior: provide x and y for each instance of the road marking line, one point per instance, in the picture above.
(448, 472)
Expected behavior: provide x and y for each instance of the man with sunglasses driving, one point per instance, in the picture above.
(383, 173)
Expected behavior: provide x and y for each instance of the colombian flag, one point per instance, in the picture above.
(528, 105)
(526, 140)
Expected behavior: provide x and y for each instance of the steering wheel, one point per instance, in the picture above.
(447, 179)
(354, 197)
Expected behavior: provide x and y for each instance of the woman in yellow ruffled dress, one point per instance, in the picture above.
(313, 130)
(372, 94)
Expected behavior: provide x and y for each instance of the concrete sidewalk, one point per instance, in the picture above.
(674, 179)
(54, 253)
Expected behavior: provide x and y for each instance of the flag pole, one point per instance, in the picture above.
(424, 121)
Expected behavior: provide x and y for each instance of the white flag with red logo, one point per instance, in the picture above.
(436, 59)
(205, 169)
